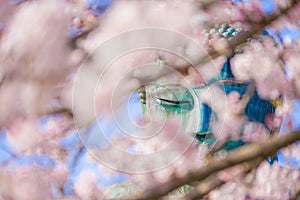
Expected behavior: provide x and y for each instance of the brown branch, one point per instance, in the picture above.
(296, 194)
(240, 155)
(85, 32)
(210, 183)
(207, 4)
(213, 181)
(243, 37)
(62, 110)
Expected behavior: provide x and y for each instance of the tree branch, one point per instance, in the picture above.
(243, 37)
(240, 155)
(296, 194)
(207, 4)
(213, 181)
(240, 39)
(60, 110)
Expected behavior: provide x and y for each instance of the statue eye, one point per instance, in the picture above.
(175, 102)
(174, 99)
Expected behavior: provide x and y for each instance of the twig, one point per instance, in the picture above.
(296, 194)
(243, 37)
(240, 155)
(85, 32)
(206, 5)
(61, 110)
(213, 181)
(238, 40)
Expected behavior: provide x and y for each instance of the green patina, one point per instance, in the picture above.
(176, 100)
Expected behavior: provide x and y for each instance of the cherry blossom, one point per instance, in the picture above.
(50, 152)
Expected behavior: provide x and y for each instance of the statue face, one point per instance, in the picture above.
(197, 116)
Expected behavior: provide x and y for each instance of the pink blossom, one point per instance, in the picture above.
(85, 187)
(262, 65)
(6, 10)
(28, 183)
(229, 110)
(23, 133)
(254, 132)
